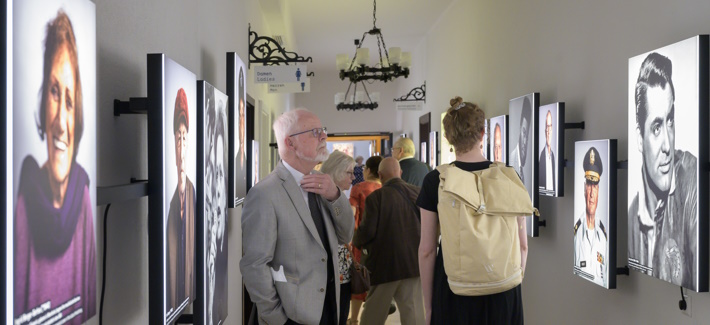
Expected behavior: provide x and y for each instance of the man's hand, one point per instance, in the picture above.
(320, 184)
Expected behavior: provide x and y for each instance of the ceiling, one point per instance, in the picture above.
(323, 28)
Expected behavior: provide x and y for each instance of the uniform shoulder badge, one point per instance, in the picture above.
(576, 225)
(600, 258)
(601, 226)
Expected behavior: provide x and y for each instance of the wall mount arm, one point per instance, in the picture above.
(578, 125)
(416, 94)
(267, 51)
(134, 105)
(622, 164)
(624, 270)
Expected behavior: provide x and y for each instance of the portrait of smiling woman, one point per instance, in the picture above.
(54, 243)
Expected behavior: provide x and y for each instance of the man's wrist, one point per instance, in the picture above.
(337, 195)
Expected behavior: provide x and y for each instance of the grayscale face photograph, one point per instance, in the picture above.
(593, 174)
(521, 156)
(51, 185)
(215, 200)
(179, 170)
(663, 191)
(239, 125)
(499, 140)
(549, 155)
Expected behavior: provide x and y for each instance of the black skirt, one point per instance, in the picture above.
(448, 308)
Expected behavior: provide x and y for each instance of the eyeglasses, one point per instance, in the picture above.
(316, 132)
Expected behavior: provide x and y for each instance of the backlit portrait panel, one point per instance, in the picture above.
(550, 151)
(595, 211)
(237, 92)
(51, 111)
(215, 157)
(499, 138)
(667, 200)
(179, 165)
(523, 126)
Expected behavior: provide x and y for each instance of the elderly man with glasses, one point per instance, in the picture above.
(292, 223)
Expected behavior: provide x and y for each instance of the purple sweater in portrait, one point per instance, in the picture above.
(55, 250)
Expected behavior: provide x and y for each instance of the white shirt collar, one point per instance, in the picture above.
(298, 176)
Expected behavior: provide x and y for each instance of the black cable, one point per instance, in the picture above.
(103, 277)
(682, 304)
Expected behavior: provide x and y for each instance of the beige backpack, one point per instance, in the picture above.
(479, 229)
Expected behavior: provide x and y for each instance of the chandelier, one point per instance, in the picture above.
(392, 65)
(359, 100)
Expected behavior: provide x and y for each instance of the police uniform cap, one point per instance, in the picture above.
(592, 166)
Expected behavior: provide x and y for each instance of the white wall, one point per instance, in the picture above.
(197, 35)
(573, 51)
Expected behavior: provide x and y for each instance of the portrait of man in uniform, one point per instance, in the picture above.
(663, 205)
(590, 233)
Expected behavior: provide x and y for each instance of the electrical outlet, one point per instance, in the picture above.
(689, 303)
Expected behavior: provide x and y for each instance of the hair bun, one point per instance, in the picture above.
(456, 101)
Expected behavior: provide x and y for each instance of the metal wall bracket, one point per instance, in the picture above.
(579, 125)
(119, 193)
(267, 51)
(624, 270)
(622, 164)
(414, 95)
(135, 105)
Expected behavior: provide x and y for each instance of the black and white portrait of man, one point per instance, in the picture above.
(663, 167)
(521, 154)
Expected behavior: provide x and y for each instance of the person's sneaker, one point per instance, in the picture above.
(393, 308)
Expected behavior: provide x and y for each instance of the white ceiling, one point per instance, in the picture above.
(323, 28)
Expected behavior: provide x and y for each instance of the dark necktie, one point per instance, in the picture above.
(328, 315)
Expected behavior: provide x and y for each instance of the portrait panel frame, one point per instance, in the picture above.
(605, 210)
(166, 78)
(527, 168)
(678, 176)
(501, 121)
(557, 144)
(45, 150)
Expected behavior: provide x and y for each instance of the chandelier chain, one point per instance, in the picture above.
(374, 14)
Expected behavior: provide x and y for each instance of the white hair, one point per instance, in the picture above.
(337, 165)
(284, 125)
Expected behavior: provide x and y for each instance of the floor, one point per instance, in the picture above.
(391, 319)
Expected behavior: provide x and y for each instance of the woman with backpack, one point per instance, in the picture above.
(464, 283)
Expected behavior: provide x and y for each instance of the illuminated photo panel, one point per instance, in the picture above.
(595, 211)
(668, 181)
(523, 137)
(550, 168)
(237, 92)
(499, 138)
(50, 145)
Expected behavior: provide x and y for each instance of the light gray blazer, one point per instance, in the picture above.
(278, 231)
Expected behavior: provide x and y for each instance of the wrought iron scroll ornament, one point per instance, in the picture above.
(267, 51)
(414, 95)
